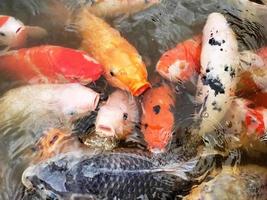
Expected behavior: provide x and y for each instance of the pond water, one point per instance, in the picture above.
(152, 32)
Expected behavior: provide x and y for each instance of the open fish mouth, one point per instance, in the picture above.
(105, 131)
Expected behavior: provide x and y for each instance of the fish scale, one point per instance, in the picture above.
(105, 176)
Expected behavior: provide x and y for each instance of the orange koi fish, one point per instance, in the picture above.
(123, 65)
(51, 64)
(13, 33)
(181, 62)
(158, 118)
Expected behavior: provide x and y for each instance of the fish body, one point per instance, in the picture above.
(70, 100)
(13, 33)
(118, 116)
(54, 142)
(181, 62)
(51, 64)
(122, 64)
(113, 8)
(243, 116)
(244, 182)
(104, 176)
(218, 76)
(158, 117)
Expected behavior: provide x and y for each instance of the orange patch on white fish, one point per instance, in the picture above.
(14, 34)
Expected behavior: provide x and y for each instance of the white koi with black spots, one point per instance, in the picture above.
(218, 77)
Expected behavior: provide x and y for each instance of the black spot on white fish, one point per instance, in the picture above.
(232, 72)
(2, 34)
(216, 107)
(125, 116)
(214, 42)
(221, 49)
(226, 68)
(215, 84)
(208, 70)
(156, 109)
(223, 41)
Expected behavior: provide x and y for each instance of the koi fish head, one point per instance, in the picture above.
(51, 143)
(75, 99)
(76, 65)
(128, 72)
(12, 31)
(158, 118)
(117, 117)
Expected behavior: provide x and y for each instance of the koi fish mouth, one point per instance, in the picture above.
(105, 131)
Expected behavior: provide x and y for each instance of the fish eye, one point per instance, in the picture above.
(125, 116)
(156, 109)
(71, 113)
(2, 34)
(112, 73)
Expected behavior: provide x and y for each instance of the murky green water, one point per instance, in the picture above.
(151, 31)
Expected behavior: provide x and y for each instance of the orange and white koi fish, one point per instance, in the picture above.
(50, 64)
(13, 33)
(158, 117)
(219, 68)
(181, 62)
(243, 114)
(123, 65)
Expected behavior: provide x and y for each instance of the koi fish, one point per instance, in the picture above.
(79, 174)
(13, 33)
(158, 118)
(181, 62)
(242, 182)
(70, 100)
(113, 8)
(54, 142)
(118, 116)
(243, 115)
(123, 65)
(51, 64)
(219, 66)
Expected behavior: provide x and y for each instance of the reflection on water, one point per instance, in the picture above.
(152, 32)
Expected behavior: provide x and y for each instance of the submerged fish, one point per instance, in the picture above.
(123, 65)
(113, 8)
(244, 115)
(118, 116)
(70, 100)
(13, 33)
(244, 182)
(51, 64)
(181, 62)
(158, 117)
(54, 142)
(219, 68)
(107, 176)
